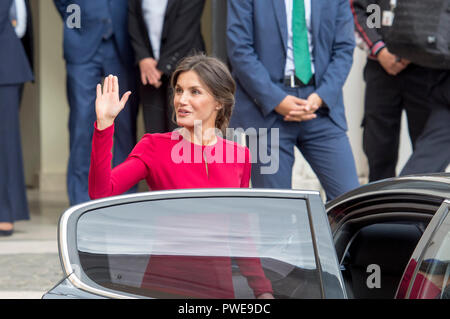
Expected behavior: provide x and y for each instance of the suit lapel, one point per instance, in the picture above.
(280, 12)
(170, 4)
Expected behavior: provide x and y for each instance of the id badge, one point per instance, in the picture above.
(388, 18)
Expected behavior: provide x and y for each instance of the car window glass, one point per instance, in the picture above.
(432, 279)
(201, 248)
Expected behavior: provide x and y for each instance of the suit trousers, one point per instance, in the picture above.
(13, 199)
(432, 151)
(386, 98)
(82, 80)
(157, 107)
(323, 144)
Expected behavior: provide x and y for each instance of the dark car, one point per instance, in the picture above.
(389, 239)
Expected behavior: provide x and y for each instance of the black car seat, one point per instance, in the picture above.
(388, 245)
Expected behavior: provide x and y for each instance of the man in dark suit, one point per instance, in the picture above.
(432, 149)
(290, 60)
(393, 84)
(15, 70)
(162, 32)
(98, 48)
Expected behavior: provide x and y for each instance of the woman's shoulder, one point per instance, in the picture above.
(233, 144)
(151, 142)
(155, 138)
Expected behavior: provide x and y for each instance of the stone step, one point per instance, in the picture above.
(10, 247)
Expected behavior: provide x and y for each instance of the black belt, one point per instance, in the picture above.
(294, 82)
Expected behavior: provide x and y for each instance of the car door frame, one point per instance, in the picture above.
(419, 252)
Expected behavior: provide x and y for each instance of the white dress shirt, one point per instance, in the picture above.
(290, 66)
(153, 12)
(21, 15)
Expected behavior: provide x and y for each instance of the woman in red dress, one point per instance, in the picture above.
(195, 156)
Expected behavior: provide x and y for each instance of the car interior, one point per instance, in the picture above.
(375, 237)
(387, 244)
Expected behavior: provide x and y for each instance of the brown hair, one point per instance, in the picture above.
(217, 78)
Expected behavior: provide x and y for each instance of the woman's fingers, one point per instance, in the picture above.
(115, 86)
(124, 99)
(110, 85)
(105, 85)
(99, 90)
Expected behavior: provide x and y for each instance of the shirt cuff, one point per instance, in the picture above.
(377, 47)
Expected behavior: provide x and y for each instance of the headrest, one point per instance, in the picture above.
(384, 245)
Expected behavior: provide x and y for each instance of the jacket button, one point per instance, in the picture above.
(169, 67)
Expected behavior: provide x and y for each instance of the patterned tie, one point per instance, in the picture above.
(13, 14)
(302, 58)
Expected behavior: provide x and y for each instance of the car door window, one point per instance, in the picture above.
(224, 247)
(432, 278)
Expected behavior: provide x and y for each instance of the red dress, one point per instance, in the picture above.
(168, 161)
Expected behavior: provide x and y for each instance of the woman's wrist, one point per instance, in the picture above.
(104, 124)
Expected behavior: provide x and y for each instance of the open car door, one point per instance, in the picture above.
(208, 243)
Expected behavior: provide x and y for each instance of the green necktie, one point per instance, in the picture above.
(302, 58)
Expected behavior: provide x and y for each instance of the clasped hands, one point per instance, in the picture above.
(149, 72)
(294, 109)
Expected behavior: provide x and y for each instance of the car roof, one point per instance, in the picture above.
(433, 185)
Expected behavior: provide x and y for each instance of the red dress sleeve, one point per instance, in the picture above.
(251, 268)
(104, 181)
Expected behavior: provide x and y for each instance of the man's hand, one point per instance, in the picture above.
(295, 109)
(405, 62)
(149, 73)
(314, 101)
(391, 63)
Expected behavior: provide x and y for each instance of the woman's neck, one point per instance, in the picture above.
(200, 136)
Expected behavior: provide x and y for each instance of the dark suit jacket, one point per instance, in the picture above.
(257, 47)
(96, 16)
(181, 32)
(27, 40)
(14, 65)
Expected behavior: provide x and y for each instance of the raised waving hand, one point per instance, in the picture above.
(107, 104)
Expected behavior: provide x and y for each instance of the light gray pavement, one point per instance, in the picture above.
(29, 262)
